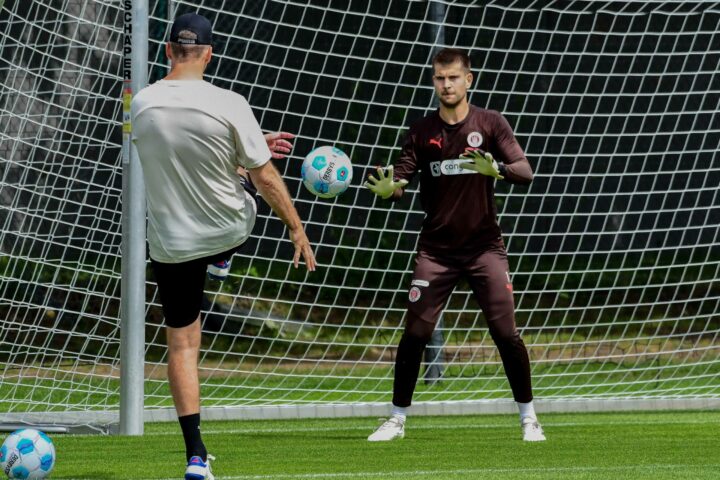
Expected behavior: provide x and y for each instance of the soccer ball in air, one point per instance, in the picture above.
(27, 454)
(326, 172)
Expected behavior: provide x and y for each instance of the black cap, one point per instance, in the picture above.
(195, 23)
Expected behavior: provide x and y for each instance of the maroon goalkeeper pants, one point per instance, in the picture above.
(434, 278)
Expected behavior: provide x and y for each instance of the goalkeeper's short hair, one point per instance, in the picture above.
(447, 56)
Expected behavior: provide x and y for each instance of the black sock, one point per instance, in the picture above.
(407, 368)
(194, 445)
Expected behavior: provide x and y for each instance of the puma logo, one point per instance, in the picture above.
(436, 141)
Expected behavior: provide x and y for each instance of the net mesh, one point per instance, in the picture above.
(613, 248)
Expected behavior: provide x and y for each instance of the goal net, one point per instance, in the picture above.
(614, 250)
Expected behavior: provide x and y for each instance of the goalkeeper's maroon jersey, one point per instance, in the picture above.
(459, 204)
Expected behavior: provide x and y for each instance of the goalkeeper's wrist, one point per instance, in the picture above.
(396, 194)
(502, 169)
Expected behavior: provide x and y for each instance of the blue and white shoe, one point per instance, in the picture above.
(219, 271)
(199, 470)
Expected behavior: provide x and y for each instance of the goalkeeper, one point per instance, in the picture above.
(459, 151)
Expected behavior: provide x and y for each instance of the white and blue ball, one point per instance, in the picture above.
(327, 172)
(27, 454)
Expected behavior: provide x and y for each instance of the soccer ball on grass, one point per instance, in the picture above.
(27, 454)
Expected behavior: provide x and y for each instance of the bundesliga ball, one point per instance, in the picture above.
(326, 172)
(27, 454)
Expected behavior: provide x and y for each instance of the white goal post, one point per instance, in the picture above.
(613, 249)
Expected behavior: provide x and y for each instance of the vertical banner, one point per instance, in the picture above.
(127, 92)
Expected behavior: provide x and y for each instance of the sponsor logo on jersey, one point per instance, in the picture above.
(449, 167)
(436, 141)
(414, 294)
(435, 169)
(474, 139)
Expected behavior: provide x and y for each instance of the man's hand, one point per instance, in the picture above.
(278, 143)
(271, 186)
(302, 248)
(481, 162)
(384, 186)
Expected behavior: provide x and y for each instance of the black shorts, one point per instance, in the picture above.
(181, 287)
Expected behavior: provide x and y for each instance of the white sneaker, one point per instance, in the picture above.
(199, 470)
(392, 428)
(532, 431)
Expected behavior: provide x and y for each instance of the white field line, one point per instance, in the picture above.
(473, 471)
(469, 471)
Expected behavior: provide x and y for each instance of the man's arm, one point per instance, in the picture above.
(273, 190)
(391, 185)
(512, 163)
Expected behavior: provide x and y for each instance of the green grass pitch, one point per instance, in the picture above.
(637, 445)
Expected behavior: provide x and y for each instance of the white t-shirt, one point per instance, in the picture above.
(190, 137)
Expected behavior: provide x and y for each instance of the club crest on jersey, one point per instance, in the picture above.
(474, 139)
(414, 294)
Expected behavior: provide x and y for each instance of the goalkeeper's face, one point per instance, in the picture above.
(451, 83)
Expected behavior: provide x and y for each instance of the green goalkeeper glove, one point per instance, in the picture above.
(481, 162)
(384, 186)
